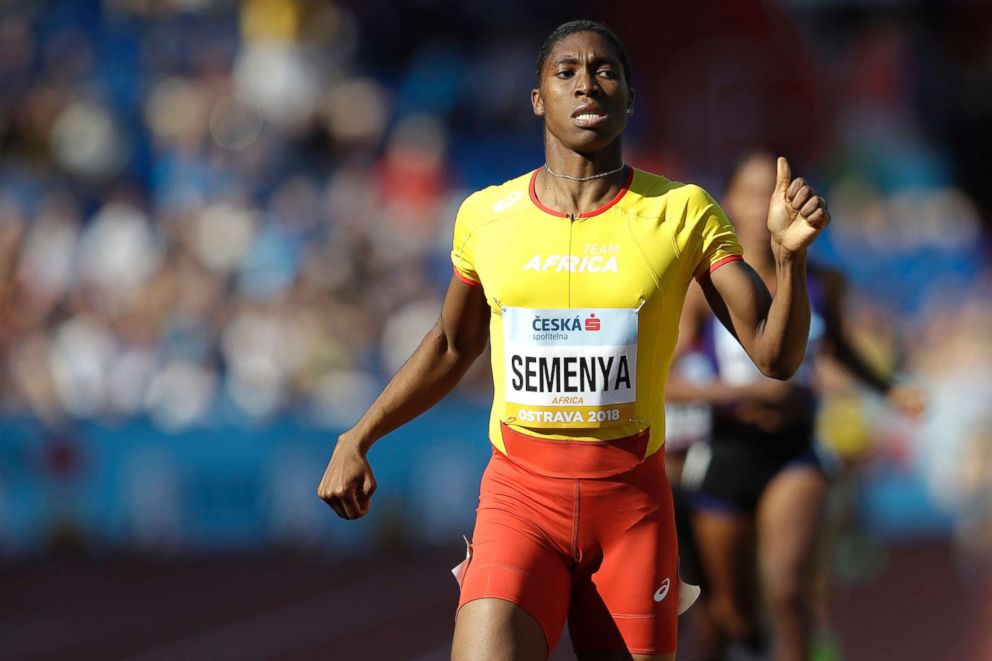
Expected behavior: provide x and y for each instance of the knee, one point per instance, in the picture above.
(788, 597)
(730, 616)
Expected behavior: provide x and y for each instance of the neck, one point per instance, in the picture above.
(576, 197)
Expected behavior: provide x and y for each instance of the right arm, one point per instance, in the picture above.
(695, 311)
(435, 368)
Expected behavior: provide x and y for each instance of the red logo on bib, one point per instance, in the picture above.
(592, 322)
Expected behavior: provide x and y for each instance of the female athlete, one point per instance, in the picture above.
(576, 273)
(759, 483)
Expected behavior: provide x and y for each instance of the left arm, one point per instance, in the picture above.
(773, 331)
(908, 400)
(837, 344)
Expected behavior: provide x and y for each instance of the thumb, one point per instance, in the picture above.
(368, 488)
(784, 174)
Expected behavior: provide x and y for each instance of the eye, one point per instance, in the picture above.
(607, 73)
(564, 73)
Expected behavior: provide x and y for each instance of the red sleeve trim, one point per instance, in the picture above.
(725, 260)
(467, 280)
(718, 264)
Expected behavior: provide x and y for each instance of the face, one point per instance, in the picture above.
(583, 95)
(748, 195)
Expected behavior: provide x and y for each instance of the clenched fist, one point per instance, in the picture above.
(796, 212)
(348, 483)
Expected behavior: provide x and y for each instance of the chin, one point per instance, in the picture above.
(589, 141)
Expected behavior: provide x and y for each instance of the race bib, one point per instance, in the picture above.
(570, 368)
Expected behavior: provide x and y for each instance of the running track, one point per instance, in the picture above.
(390, 606)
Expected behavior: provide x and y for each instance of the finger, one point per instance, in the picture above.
(814, 203)
(794, 187)
(802, 196)
(370, 485)
(364, 493)
(336, 506)
(784, 175)
(818, 219)
(333, 501)
(351, 505)
(323, 495)
(363, 504)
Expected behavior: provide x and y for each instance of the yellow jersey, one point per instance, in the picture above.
(585, 309)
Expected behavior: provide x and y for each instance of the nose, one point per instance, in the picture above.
(586, 83)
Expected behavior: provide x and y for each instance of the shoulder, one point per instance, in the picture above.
(494, 201)
(695, 197)
(651, 191)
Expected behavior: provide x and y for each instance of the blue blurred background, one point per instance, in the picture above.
(224, 225)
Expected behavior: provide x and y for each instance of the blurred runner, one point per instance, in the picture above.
(576, 273)
(757, 488)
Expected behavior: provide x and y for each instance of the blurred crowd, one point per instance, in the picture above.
(215, 211)
(209, 213)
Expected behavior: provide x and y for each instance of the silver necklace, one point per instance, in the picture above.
(592, 176)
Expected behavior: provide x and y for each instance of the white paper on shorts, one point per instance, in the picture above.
(688, 594)
(459, 569)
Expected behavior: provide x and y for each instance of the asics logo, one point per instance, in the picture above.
(508, 201)
(662, 592)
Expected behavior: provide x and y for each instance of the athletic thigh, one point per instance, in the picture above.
(519, 555)
(789, 518)
(625, 592)
(725, 548)
(491, 629)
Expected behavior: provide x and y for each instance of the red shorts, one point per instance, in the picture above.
(583, 531)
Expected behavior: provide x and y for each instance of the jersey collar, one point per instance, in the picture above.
(588, 214)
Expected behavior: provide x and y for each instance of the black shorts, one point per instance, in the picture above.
(729, 474)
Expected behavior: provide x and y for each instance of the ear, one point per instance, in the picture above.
(630, 103)
(537, 102)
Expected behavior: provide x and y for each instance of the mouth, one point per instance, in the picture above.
(589, 117)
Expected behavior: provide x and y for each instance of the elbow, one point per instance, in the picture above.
(463, 350)
(780, 370)
(465, 353)
(778, 373)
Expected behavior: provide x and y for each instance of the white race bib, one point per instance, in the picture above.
(570, 368)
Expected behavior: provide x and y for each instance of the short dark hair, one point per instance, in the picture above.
(582, 25)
